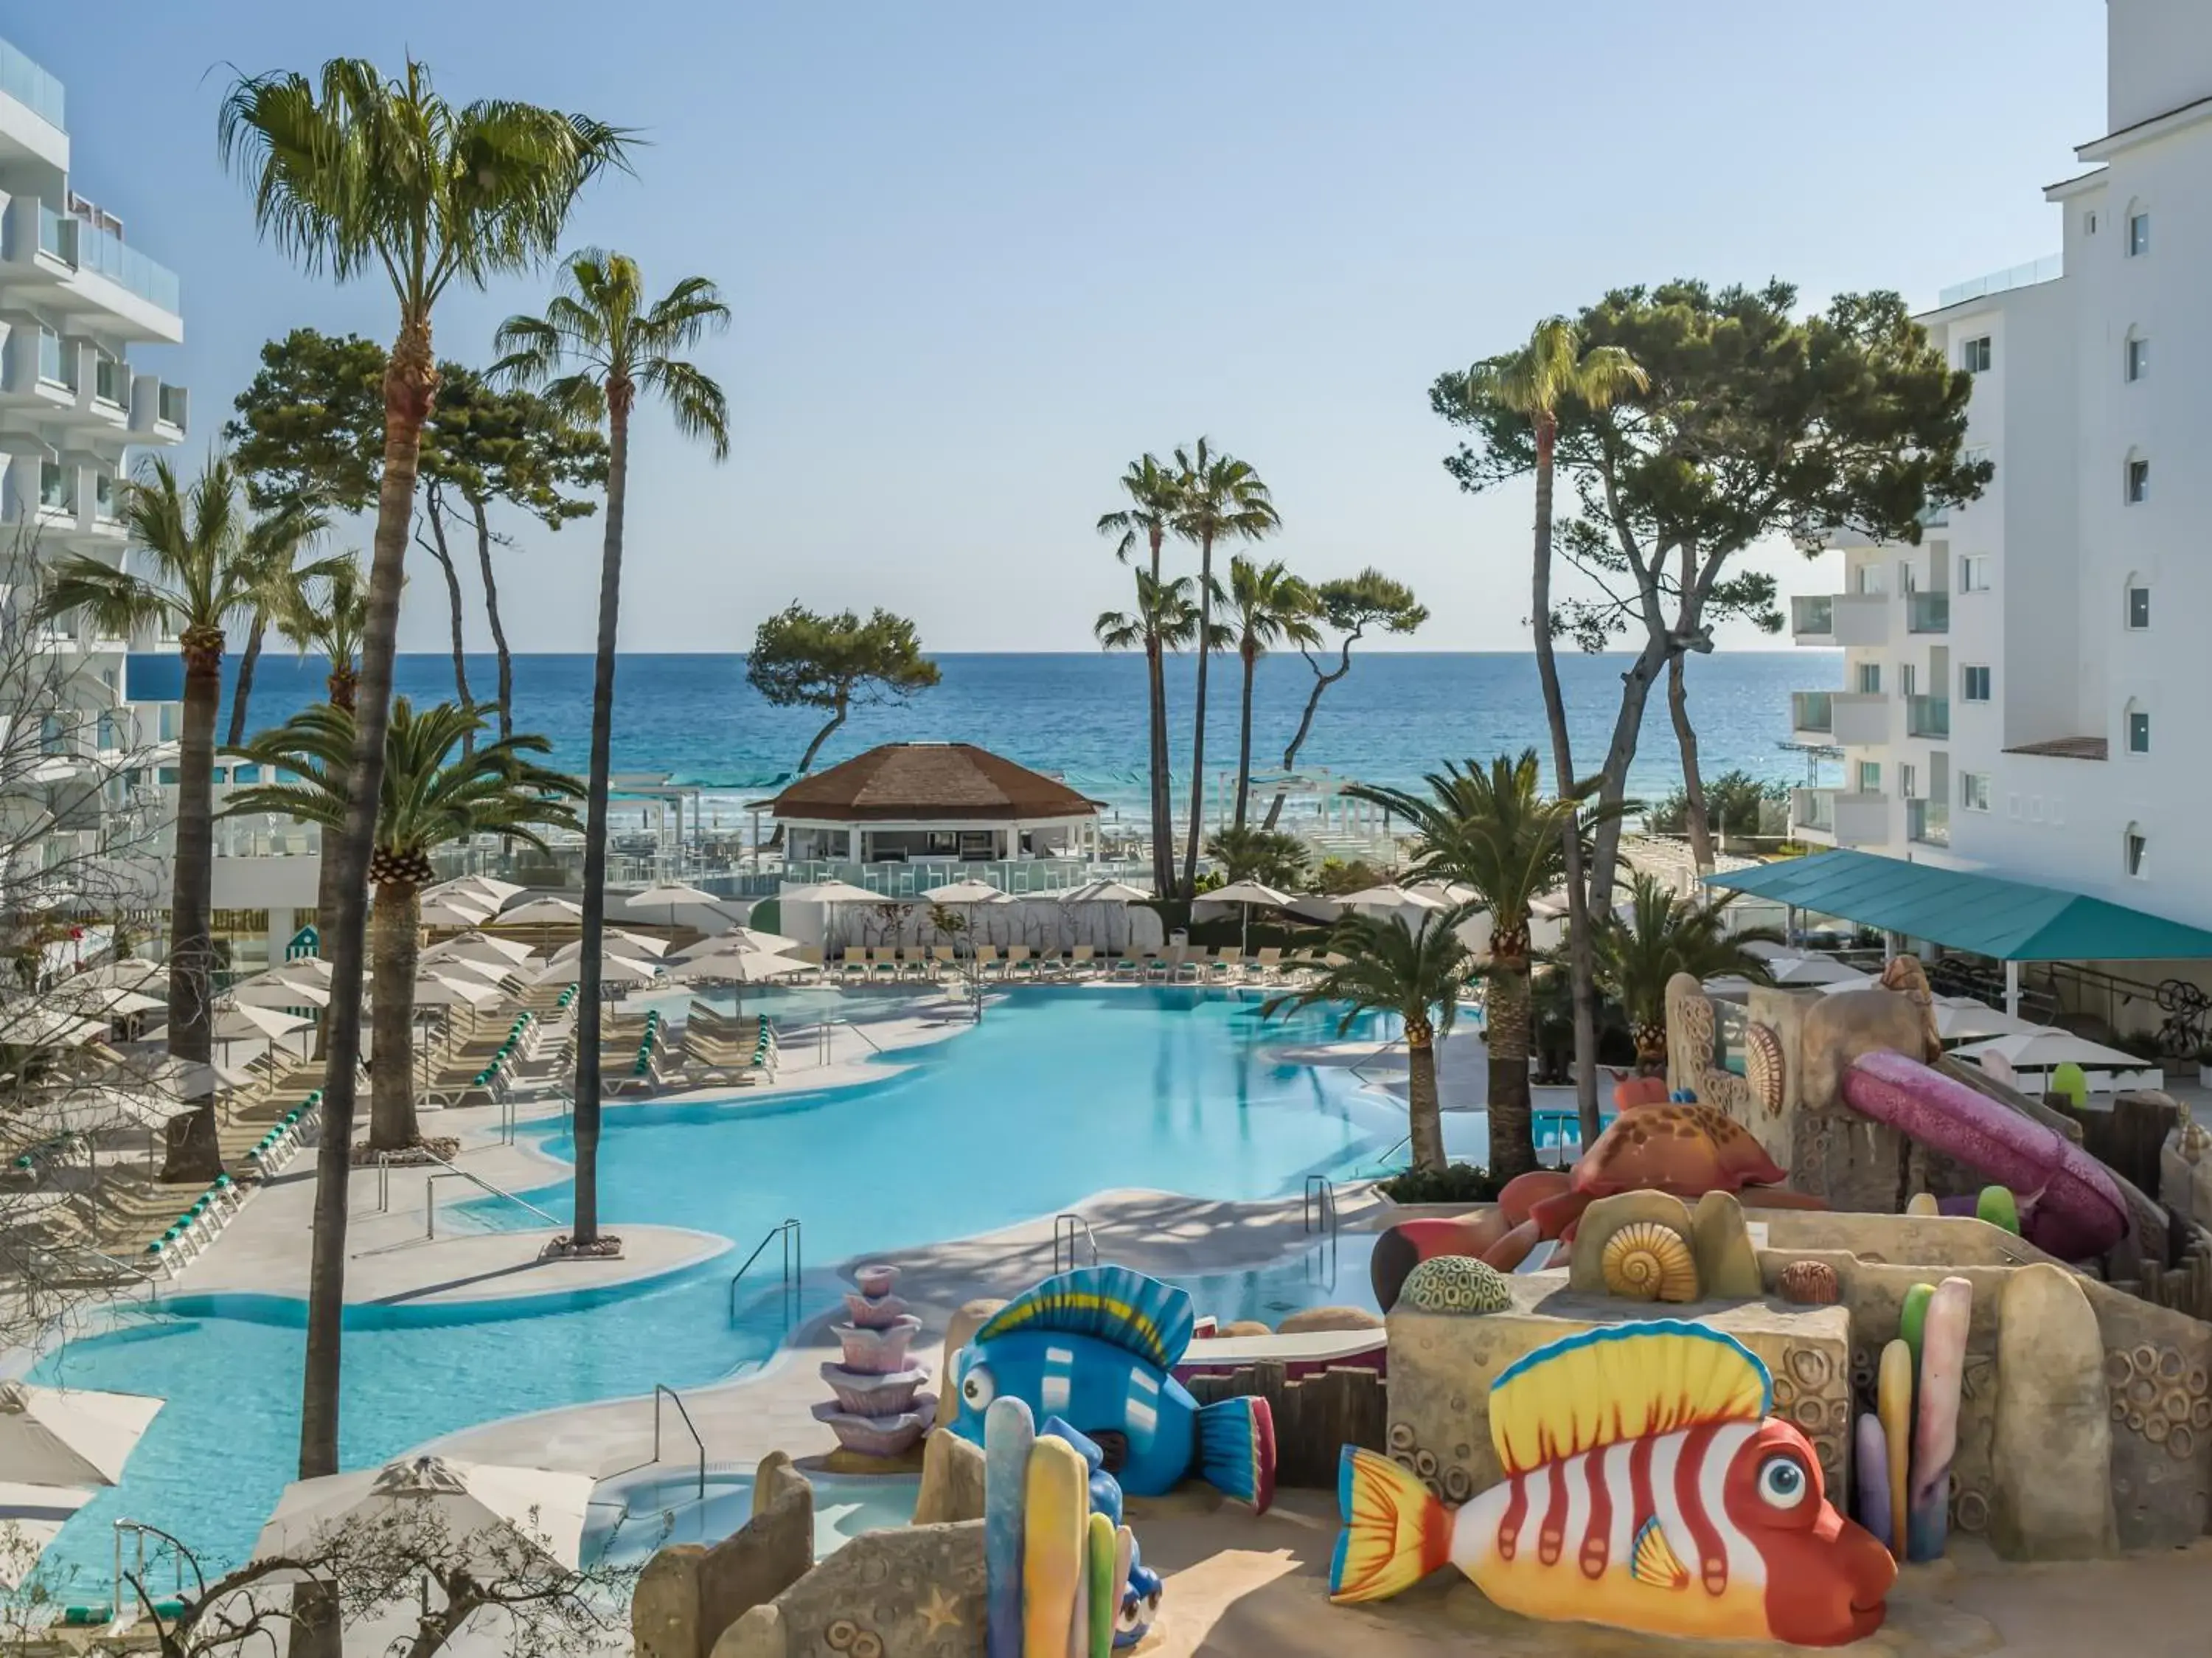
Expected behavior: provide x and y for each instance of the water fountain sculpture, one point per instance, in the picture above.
(879, 1413)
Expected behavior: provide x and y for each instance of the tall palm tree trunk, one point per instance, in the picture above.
(193, 1153)
(1198, 728)
(395, 944)
(586, 1231)
(1581, 966)
(491, 613)
(338, 686)
(1424, 1114)
(1162, 797)
(242, 693)
(1507, 1028)
(411, 385)
(1245, 733)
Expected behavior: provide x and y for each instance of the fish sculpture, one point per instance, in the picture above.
(1645, 1488)
(1098, 1348)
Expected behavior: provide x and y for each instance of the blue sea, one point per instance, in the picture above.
(1395, 716)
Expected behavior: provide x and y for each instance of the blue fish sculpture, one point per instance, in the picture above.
(1097, 1347)
(1140, 1596)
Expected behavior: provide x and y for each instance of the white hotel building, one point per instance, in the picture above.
(2029, 691)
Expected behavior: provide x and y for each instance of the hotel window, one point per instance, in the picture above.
(1869, 679)
(1869, 579)
(2138, 605)
(1974, 791)
(1908, 679)
(2138, 729)
(1908, 782)
(1973, 572)
(1974, 355)
(2136, 363)
(1869, 777)
(2089, 223)
(2138, 235)
(2138, 490)
(2133, 845)
(1974, 684)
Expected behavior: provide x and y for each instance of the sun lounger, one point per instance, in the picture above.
(1081, 963)
(1018, 961)
(1267, 964)
(987, 959)
(1228, 963)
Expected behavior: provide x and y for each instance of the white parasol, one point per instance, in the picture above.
(466, 1502)
(69, 1436)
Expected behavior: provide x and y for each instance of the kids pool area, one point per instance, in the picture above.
(1058, 1094)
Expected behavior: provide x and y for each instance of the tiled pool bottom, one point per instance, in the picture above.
(1059, 1094)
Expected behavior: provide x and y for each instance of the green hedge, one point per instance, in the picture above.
(1456, 1183)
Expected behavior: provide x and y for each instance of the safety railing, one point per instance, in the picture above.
(126, 1610)
(1383, 1165)
(1320, 1204)
(447, 1172)
(1068, 1231)
(661, 1389)
(1359, 1069)
(794, 1259)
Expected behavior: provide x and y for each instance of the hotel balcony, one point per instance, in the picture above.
(31, 105)
(1842, 717)
(71, 265)
(1840, 618)
(1928, 822)
(1927, 612)
(159, 412)
(1838, 817)
(1926, 716)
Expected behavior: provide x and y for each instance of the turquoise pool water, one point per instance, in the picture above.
(1059, 1094)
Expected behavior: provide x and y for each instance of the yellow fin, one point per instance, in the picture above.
(1656, 1563)
(1625, 1382)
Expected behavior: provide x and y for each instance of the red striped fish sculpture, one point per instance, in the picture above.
(1645, 1488)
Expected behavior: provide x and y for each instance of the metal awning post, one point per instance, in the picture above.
(2012, 988)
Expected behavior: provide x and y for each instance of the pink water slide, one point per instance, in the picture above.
(2070, 1204)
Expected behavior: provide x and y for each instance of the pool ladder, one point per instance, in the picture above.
(795, 1263)
(1069, 1231)
(1320, 1204)
(662, 1389)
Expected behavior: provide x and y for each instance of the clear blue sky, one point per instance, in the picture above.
(983, 254)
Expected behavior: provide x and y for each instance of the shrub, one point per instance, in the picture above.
(1456, 1183)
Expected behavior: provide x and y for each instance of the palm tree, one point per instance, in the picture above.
(211, 565)
(611, 344)
(429, 799)
(1166, 618)
(1218, 498)
(1492, 829)
(1552, 370)
(353, 173)
(1662, 935)
(279, 582)
(1414, 971)
(326, 609)
(1152, 492)
(1271, 858)
(1272, 607)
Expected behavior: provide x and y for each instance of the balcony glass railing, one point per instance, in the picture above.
(171, 406)
(1813, 613)
(1934, 518)
(1929, 821)
(1926, 716)
(2048, 268)
(1816, 809)
(1812, 710)
(110, 384)
(52, 367)
(31, 86)
(107, 254)
(56, 234)
(1927, 612)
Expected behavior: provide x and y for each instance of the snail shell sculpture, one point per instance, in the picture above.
(1647, 1261)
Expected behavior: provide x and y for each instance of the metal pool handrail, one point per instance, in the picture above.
(658, 1388)
(447, 1172)
(794, 1257)
(1320, 1208)
(1068, 1227)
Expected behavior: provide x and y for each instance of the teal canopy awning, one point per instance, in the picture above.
(2008, 920)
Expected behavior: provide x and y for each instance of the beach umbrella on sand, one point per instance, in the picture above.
(669, 896)
(1245, 895)
(485, 1507)
(70, 1437)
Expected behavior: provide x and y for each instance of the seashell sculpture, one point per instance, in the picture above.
(880, 1411)
(1647, 1261)
(1810, 1284)
(1455, 1283)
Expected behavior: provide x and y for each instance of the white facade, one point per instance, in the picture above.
(76, 297)
(2026, 691)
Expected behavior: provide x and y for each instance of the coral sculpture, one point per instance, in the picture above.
(1810, 1284)
(880, 1413)
(1647, 1261)
(1454, 1284)
(1914, 1433)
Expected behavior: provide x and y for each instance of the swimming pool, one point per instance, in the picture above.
(1059, 1094)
